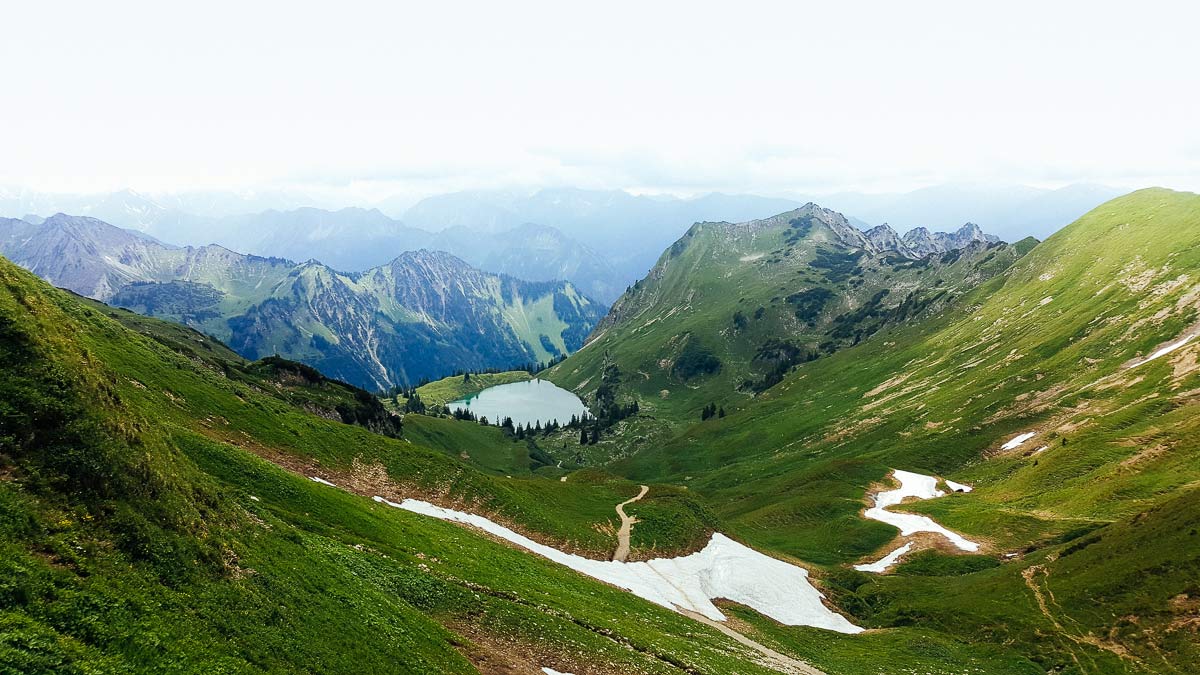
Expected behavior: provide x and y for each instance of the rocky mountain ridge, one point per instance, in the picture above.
(425, 314)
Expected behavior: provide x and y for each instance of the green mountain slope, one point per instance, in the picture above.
(143, 532)
(422, 316)
(729, 308)
(1090, 518)
(144, 528)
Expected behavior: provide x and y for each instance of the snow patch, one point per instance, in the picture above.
(1164, 351)
(921, 487)
(752, 257)
(958, 487)
(322, 481)
(1017, 440)
(1047, 300)
(550, 671)
(887, 561)
(723, 569)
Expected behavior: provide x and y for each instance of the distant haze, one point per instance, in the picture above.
(374, 103)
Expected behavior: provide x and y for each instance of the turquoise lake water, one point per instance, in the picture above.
(525, 402)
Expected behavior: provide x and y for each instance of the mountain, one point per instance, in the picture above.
(1057, 389)
(155, 490)
(623, 232)
(921, 242)
(884, 238)
(729, 308)
(158, 490)
(421, 316)
(356, 239)
(86, 255)
(628, 230)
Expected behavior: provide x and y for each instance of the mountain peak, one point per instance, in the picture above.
(430, 258)
(923, 242)
(885, 239)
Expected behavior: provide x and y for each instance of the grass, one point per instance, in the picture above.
(132, 542)
(131, 546)
(458, 387)
(693, 332)
(1041, 346)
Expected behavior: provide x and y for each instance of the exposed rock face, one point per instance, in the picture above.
(922, 242)
(83, 254)
(885, 239)
(425, 314)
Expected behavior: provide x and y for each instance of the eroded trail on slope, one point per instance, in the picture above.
(627, 523)
(1031, 575)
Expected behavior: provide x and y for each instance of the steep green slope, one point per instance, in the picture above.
(730, 308)
(140, 535)
(1055, 346)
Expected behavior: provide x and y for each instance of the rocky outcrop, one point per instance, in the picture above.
(886, 240)
(922, 242)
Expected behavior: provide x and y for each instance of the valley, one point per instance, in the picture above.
(666, 338)
(992, 460)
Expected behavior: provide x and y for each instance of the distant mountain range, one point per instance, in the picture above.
(628, 230)
(601, 241)
(421, 315)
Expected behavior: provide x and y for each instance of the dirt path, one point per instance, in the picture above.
(1030, 575)
(771, 658)
(626, 526)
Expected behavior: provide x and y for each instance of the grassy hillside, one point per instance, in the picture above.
(154, 513)
(1054, 346)
(457, 387)
(730, 308)
(143, 532)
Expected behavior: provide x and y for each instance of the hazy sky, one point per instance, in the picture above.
(419, 97)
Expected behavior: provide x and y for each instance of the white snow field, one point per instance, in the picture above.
(1164, 351)
(1017, 440)
(550, 671)
(885, 562)
(723, 569)
(921, 487)
(958, 487)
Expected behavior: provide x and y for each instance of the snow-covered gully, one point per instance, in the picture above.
(688, 584)
(723, 569)
(922, 487)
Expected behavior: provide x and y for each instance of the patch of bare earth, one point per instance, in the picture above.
(496, 654)
(1045, 600)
